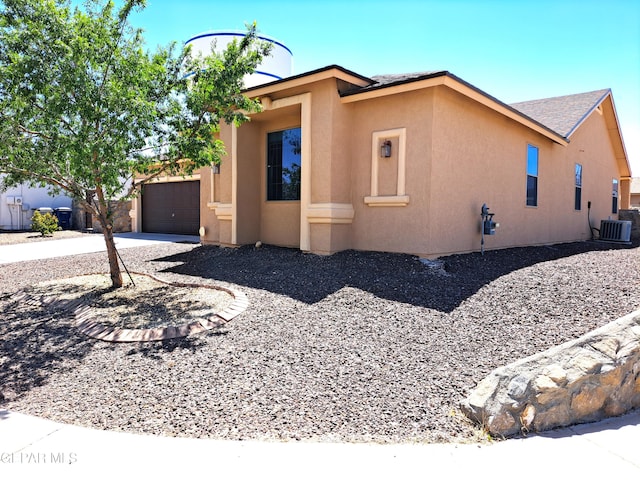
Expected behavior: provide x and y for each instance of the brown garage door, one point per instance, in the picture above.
(171, 208)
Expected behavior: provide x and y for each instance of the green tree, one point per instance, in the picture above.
(84, 106)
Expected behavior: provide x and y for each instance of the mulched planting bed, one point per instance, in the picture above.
(357, 346)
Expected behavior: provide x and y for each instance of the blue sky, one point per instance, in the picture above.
(514, 50)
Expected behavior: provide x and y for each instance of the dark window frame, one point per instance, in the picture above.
(577, 202)
(283, 173)
(533, 164)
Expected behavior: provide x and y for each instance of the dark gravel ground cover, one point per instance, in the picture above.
(357, 346)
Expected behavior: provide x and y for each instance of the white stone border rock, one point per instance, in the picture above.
(584, 380)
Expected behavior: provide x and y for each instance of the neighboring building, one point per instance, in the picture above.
(18, 203)
(635, 192)
(402, 163)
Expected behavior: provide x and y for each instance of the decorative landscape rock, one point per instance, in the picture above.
(352, 347)
(588, 379)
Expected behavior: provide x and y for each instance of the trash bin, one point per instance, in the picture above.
(44, 210)
(64, 217)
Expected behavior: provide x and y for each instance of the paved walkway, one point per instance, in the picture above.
(89, 243)
(32, 448)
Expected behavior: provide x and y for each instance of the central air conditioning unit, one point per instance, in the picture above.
(615, 230)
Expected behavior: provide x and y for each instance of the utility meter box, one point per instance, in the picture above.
(489, 227)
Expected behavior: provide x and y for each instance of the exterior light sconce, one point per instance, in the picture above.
(385, 149)
(216, 169)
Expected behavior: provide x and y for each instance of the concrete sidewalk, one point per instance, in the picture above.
(88, 243)
(31, 447)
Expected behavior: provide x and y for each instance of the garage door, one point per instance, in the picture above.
(171, 208)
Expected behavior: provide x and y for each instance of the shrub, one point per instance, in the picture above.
(46, 223)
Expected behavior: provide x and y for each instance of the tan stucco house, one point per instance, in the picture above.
(402, 163)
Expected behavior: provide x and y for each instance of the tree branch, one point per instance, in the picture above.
(32, 132)
(65, 123)
(122, 17)
(39, 177)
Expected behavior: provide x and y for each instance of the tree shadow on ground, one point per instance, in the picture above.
(37, 342)
(403, 278)
(40, 341)
(163, 306)
(154, 350)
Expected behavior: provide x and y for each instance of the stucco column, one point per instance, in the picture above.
(304, 100)
(625, 193)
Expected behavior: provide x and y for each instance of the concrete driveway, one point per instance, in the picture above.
(22, 252)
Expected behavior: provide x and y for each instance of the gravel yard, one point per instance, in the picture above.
(11, 237)
(351, 347)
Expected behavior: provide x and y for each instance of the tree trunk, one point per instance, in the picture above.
(104, 217)
(114, 266)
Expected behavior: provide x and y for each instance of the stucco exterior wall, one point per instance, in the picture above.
(450, 155)
(216, 194)
(250, 148)
(480, 157)
(394, 228)
(279, 220)
(208, 195)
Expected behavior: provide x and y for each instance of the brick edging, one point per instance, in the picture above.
(101, 331)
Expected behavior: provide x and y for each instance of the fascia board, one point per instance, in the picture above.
(465, 89)
(615, 133)
(488, 101)
(302, 80)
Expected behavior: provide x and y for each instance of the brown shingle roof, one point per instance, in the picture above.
(397, 78)
(562, 114)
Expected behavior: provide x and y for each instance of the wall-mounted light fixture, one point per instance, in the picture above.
(385, 149)
(216, 169)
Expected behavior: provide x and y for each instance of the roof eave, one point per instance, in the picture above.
(455, 83)
(589, 112)
(330, 71)
(613, 127)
